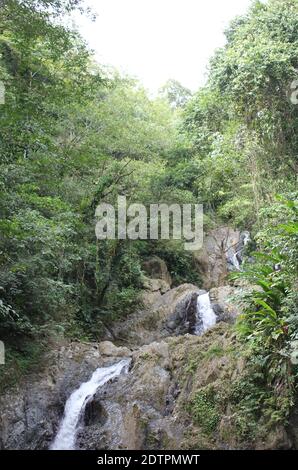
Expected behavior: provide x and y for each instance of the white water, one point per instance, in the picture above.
(76, 403)
(234, 259)
(206, 317)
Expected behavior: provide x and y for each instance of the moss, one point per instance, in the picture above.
(145, 355)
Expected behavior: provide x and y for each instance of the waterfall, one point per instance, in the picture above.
(76, 403)
(206, 317)
(237, 255)
(235, 261)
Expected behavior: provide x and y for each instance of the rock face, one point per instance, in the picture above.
(133, 405)
(169, 314)
(106, 348)
(156, 268)
(222, 302)
(157, 280)
(30, 414)
(213, 259)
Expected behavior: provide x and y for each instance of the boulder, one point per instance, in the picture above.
(156, 268)
(222, 302)
(157, 281)
(132, 405)
(155, 285)
(106, 348)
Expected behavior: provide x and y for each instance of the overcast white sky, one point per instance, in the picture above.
(160, 39)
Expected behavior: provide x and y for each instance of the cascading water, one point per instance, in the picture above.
(206, 317)
(234, 258)
(235, 261)
(76, 404)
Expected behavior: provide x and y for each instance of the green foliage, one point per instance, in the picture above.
(120, 302)
(180, 262)
(70, 138)
(214, 351)
(244, 132)
(242, 125)
(19, 360)
(257, 408)
(204, 410)
(268, 326)
(175, 93)
(259, 61)
(272, 273)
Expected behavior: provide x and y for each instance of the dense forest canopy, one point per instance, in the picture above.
(73, 135)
